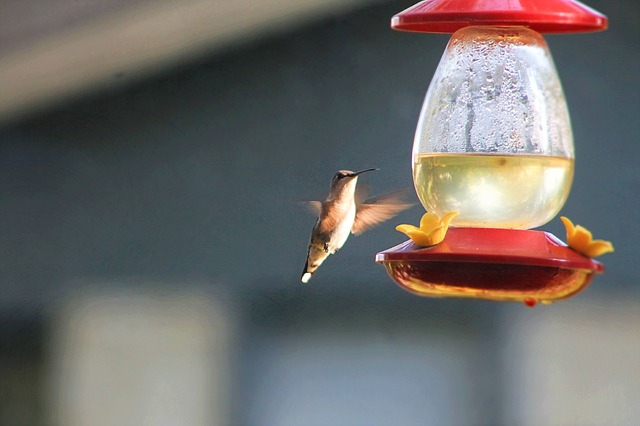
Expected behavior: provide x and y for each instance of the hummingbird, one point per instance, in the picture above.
(340, 214)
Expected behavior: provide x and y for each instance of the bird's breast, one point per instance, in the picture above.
(342, 227)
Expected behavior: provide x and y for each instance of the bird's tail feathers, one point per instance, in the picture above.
(315, 257)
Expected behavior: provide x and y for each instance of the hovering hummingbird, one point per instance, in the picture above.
(341, 214)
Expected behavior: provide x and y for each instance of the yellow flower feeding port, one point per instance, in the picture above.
(431, 231)
(580, 239)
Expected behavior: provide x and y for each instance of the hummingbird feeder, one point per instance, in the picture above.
(494, 144)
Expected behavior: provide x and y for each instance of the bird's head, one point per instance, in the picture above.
(346, 177)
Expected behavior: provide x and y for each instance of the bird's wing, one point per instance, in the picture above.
(314, 207)
(376, 210)
(362, 190)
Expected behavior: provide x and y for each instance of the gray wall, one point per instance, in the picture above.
(190, 179)
(195, 173)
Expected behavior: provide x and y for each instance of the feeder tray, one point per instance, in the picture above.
(491, 263)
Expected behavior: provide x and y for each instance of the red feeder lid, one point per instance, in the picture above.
(543, 16)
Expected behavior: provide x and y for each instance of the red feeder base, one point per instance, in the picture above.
(495, 264)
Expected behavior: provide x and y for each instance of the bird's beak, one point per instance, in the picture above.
(354, 174)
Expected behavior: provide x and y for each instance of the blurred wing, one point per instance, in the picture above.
(376, 210)
(312, 206)
(362, 189)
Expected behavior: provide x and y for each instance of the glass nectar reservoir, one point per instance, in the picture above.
(494, 139)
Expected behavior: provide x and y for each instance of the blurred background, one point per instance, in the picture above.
(151, 246)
